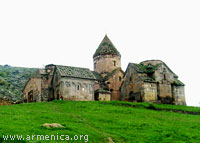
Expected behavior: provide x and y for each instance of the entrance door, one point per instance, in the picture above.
(131, 96)
(30, 96)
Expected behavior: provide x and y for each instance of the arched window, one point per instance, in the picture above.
(164, 77)
(73, 86)
(90, 88)
(67, 84)
(114, 63)
(130, 79)
(78, 87)
(120, 78)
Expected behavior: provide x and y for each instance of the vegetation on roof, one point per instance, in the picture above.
(163, 64)
(98, 76)
(102, 90)
(147, 68)
(110, 74)
(147, 78)
(178, 83)
(106, 47)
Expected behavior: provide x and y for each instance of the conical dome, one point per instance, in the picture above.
(106, 48)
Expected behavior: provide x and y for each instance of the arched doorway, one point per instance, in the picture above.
(57, 95)
(30, 96)
(131, 96)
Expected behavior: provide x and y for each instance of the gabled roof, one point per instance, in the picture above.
(68, 71)
(178, 83)
(112, 73)
(140, 68)
(145, 70)
(161, 62)
(97, 76)
(100, 90)
(106, 47)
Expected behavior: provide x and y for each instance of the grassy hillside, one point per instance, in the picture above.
(113, 121)
(12, 81)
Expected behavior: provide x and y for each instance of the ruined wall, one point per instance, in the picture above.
(56, 85)
(106, 63)
(33, 88)
(114, 84)
(149, 92)
(46, 84)
(178, 95)
(5, 102)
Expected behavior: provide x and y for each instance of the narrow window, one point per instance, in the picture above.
(164, 77)
(78, 87)
(130, 79)
(120, 78)
(114, 63)
(94, 65)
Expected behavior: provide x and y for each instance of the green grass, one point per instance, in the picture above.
(100, 120)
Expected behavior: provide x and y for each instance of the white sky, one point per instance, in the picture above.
(34, 33)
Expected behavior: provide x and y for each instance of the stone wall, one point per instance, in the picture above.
(106, 63)
(165, 90)
(149, 92)
(104, 97)
(131, 85)
(114, 84)
(75, 89)
(178, 95)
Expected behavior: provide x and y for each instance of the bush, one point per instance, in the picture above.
(2, 82)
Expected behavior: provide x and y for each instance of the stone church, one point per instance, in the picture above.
(148, 81)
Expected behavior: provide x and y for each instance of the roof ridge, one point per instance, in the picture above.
(77, 72)
(73, 67)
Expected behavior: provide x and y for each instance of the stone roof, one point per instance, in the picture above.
(110, 74)
(178, 83)
(159, 62)
(140, 68)
(68, 71)
(106, 47)
(97, 76)
(100, 90)
(144, 70)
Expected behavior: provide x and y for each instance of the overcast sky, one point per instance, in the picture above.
(34, 33)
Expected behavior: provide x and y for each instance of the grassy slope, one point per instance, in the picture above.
(101, 120)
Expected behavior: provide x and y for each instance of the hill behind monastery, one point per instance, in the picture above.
(13, 80)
